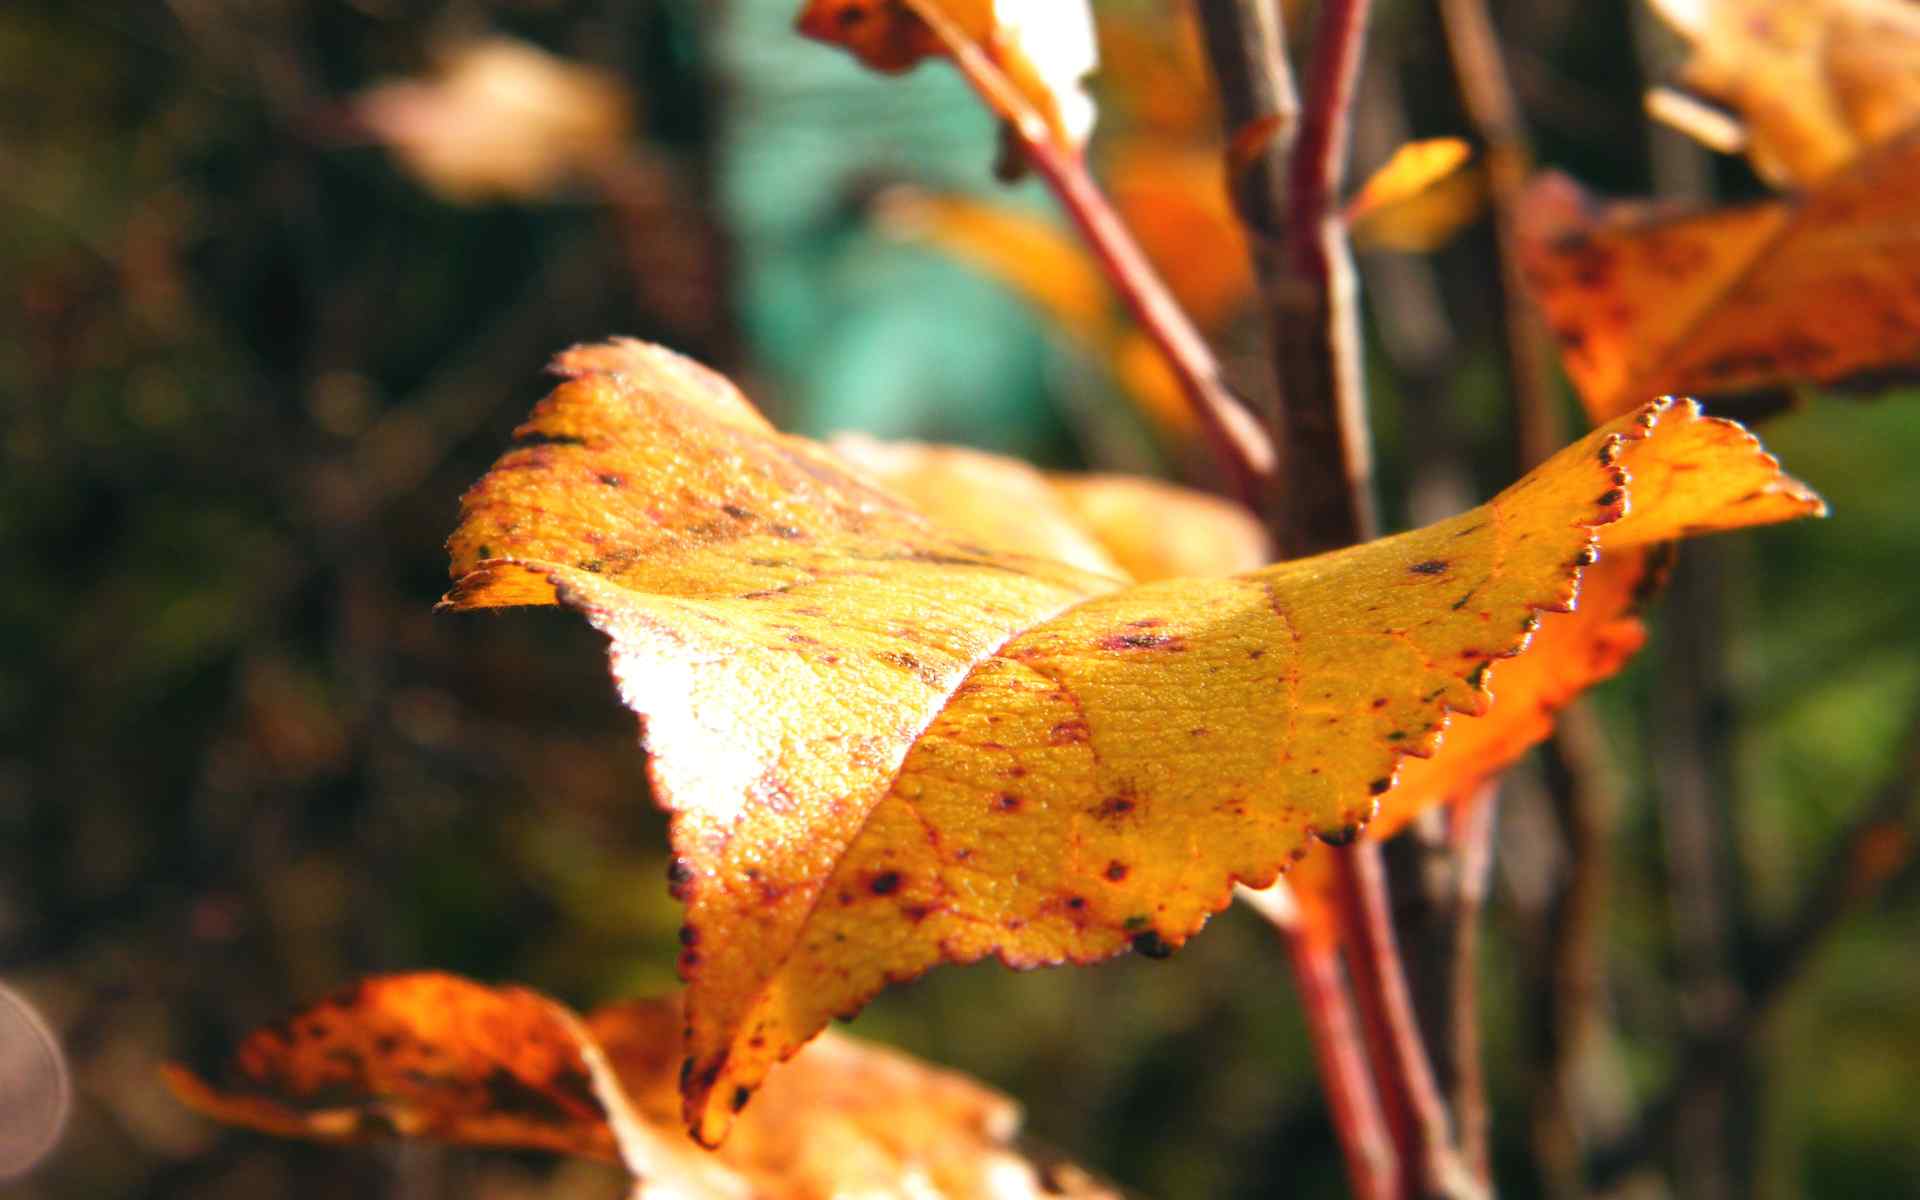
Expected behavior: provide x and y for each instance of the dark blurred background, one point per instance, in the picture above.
(266, 310)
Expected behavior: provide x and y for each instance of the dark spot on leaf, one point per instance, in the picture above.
(1007, 802)
(1142, 641)
(885, 883)
(1076, 901)
(611, 480)
(537, 438)
(1344, 836)
(1151, 945)
(740, 1097)
(1611, 497)
(788, 532)
(1380, 787)
(689, 936)
(1380, 702)
(1587, 556)
(1256, 654)
(484, 552)
(1115, 806)
(1432, 566)
(1136, 921)
(736, 512)
(1067, 732)
(1116, 870)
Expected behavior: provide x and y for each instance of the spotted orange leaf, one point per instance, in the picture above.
(1046, 48)
(886, 745)
(1820, 288)
(430, 1055)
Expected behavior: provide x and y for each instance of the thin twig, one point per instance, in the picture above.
(1484, 86)
(1366, 1142)
(1399, 1053)
(1373, 1166)
(1242, 446)
(1470, 830)
(1693, 773)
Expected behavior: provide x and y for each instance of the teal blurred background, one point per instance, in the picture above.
(250, 357)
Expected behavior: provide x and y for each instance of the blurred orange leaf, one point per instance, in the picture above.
(437, 1056)
(1046, 48)
(1053, 271)
(500, 118)
(1818, 82)
(1818, 288)
(887, 745)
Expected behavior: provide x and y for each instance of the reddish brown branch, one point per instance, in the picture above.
(1366, 1144)
(1242, 446)
(1400, 1056)
(1470, 835)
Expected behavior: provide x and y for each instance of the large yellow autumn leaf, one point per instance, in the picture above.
(887, 746)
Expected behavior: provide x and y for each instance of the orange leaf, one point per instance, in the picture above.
(437, 1056)
(1819, 82)
(1815, 289)
(1054, 272)
(1174, 200)
(1045, 48)
(887, 746)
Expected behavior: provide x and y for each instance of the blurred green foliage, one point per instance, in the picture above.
(247, 366)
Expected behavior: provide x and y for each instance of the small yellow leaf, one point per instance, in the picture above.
(1417, 201)
(888, 746)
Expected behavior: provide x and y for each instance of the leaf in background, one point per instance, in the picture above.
(1818, 82)
(500, 119)
(886, 746)
(1045, 47)
(437, 1056)
(1418, 199)
(1122, 526)
(1820, 288)
(1052, 271)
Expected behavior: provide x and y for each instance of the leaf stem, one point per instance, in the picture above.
(1238, 441)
